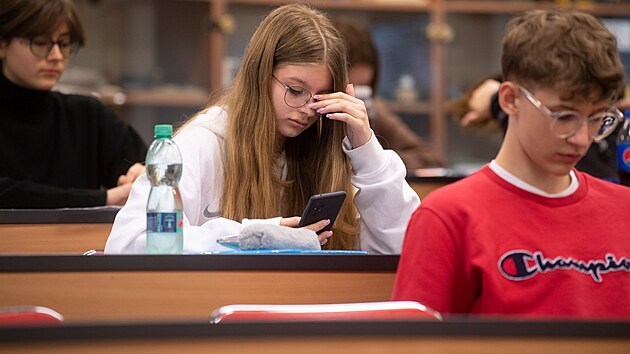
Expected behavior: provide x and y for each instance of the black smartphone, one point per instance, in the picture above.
(322, 206)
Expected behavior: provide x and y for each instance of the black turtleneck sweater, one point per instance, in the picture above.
(59, 150)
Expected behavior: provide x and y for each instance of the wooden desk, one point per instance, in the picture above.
(161, 287)
(425, 185)
(35, 231)
(463, 336)
(75, 231)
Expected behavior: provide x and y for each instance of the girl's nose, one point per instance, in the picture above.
(55, 53)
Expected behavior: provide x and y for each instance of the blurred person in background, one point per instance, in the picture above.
(56, 150)
(390, 129)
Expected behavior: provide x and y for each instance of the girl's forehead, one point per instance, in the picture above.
(61, 29)
(315, 77)
(58, 30)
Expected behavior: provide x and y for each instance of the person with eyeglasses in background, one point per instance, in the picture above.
(56, 150)
(528, 235)
(288, 128)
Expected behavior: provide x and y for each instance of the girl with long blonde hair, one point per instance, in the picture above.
(288, 128)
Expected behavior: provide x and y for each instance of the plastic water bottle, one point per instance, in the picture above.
(164, 206)
(623, 150)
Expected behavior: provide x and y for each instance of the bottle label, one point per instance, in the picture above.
(165, 233)
(623, 156)
(164, 222)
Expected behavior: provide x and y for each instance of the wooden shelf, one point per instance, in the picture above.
(372, 5)
(174, 98)
(511, 7)
(170, 97)
(419, 107)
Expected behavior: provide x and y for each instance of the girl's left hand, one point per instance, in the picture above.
(346, 108)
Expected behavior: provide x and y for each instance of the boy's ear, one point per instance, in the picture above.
(508, 91)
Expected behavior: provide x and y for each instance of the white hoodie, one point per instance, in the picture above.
(384, 199)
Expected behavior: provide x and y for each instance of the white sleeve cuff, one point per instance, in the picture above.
(367, 159)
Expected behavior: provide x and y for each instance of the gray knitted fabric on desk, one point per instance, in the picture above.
(274, 237)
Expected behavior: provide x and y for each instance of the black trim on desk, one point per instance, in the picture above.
(449, 328)
(101, 215)
(433, 179)
(266, 262)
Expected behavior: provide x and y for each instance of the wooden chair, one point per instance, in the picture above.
(29, 316)
(363, 311)
(94, 253)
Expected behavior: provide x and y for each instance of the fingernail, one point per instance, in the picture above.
(317, 96)
(320, 110)
(327, 221)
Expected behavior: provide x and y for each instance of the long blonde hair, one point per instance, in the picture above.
(291, 34)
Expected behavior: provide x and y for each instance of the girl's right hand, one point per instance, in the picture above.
(322, 236)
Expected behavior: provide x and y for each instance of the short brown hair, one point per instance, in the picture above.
(32, 18)
(361, 47)
(563, 49)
